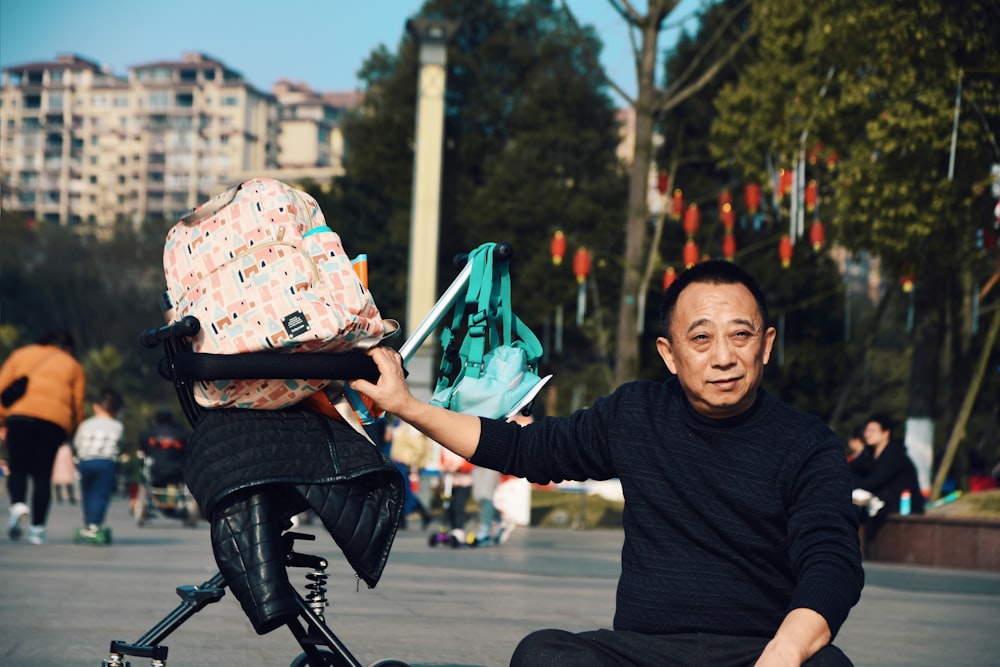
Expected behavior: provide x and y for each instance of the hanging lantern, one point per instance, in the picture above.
(581, 265)
(785, 250)
(581, 269)
(817, 234)
(662, 182)
(669, 276)
(690, 253)
(811, 195)
(692, 220)
(751, 197)
(726, 215)
(678, 204)
(728, 245)
(558, 247)
(784, 182)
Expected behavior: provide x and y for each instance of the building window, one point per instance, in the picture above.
(158, 100)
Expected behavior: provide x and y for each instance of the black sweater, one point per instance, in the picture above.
(729, 524)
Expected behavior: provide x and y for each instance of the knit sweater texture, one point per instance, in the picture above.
(729, 523)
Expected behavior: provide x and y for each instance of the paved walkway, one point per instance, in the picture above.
(61, 604)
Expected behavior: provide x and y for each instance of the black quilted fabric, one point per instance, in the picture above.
(310, 461)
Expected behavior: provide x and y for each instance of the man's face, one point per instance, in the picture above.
(718, 347)
(875, 436)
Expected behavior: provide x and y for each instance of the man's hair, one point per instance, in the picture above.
(110, 400)
(713, 272)
(883, 420)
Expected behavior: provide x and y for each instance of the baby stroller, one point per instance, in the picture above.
(161, 490)
(379, 489)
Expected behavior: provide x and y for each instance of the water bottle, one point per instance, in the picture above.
(904, 503)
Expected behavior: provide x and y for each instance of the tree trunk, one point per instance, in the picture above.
(636, 235)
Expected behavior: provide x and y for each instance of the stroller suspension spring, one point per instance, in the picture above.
(316, 597)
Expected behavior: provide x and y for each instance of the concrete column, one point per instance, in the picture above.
(433, 35)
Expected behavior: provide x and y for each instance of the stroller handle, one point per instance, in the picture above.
(355, 364)
(184, 364)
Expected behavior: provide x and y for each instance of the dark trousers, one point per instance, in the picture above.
(606, 648)
(31, 451)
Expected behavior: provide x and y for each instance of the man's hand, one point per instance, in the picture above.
(390, 393)
(457, 432)
(801, 635)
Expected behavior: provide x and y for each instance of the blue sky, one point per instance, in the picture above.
(319, 42)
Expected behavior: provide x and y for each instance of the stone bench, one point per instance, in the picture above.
(938, 541)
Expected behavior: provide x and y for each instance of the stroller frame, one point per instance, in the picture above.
(320, 646)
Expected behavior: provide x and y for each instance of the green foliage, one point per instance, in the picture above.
(876, 83)
(105, 291)
(530, 139)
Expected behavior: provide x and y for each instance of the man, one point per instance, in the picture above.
(886, 474)
(741, 542)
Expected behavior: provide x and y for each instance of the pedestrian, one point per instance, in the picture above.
(411, 451)
(887, 475)
(741, 542)
(163, 448)
(38, 420)
(64, 474)
(98, 444)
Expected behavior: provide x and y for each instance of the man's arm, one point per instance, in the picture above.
(456, 431)
(800, 636)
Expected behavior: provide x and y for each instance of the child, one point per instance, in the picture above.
(98, 444)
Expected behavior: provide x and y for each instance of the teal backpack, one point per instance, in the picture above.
(494, 371)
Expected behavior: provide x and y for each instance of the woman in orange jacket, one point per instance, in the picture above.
(38, 422)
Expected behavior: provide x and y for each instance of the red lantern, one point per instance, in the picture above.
(558, 247)
(784, 182)
(692, 220)
(581, 265)
(728, 218)
(751, 196)
(669, 276)
(662, 182)
(812, 195)
(690, 253)
(726, 210)
(678, 204)
(816, 235)
(728, 246)
(785, 251)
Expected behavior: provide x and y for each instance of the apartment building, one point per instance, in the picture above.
(80, 144)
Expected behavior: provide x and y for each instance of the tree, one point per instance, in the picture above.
(530, 148)
(648, 104)
(907, 187)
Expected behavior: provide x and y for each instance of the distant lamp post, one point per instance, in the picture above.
(433, 35)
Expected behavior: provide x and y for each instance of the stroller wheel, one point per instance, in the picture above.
(302, 660)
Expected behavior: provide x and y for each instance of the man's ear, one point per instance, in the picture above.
(666, 350)
(768, 343)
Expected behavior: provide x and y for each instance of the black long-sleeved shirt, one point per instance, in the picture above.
(729, 523)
